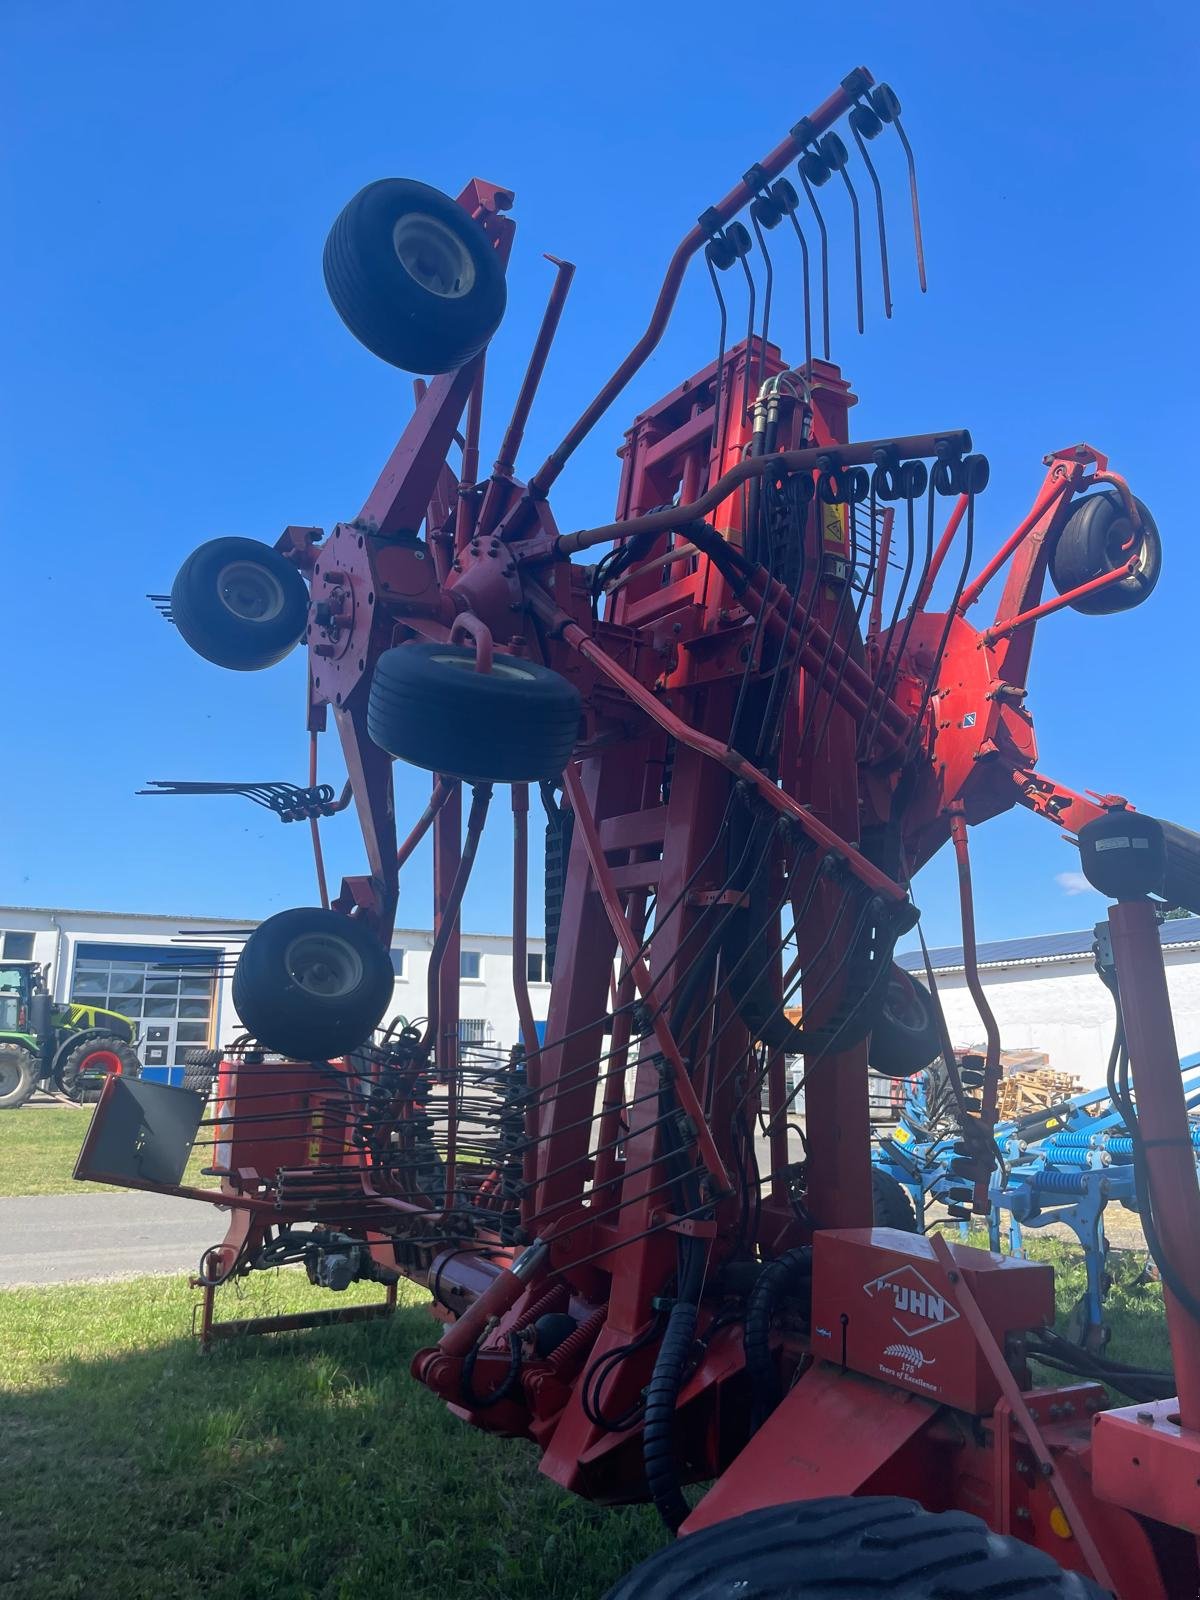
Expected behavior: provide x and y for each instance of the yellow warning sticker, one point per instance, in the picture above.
(833, 521)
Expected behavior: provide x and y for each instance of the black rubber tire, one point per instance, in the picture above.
(18, 1075)
(1181, 885)
(431, 322)
(200, 1070)
(849, 1549)
(1090, 545)
(891, 1203)
(516, 724)
(216, 593)
(330, 1011)
(905, 1039)
(79, 1083)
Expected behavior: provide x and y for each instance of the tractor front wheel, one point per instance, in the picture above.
(851, 1546)
(312, 984)
(239, 604)
(82, 1074)
(18, 1075)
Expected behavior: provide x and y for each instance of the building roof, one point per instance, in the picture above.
(231, 925)
(1180, 932)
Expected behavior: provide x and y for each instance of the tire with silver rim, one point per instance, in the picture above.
(239, 604)
(18, 1075)
(1099, 537)
(413, 276)
(312, 984)
(429, 706)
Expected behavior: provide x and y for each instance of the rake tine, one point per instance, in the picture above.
(864, 125)
(812, 200)
(785, 197)
(886, 105)
(719, 385)
(767, 290)
(836, 158)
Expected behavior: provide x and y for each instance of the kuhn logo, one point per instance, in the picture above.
(916, 1305)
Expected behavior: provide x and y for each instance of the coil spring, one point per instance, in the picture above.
(577, 1343)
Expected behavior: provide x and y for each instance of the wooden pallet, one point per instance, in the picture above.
(1034, 1090)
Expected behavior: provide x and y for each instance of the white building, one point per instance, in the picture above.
(172, 975)
(1047, 997)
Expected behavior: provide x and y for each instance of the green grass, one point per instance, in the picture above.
(309, 1465)
(39, 1146)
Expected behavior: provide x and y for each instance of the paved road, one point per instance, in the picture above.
(58, 1238)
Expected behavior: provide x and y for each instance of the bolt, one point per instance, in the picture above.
(1023, 1514)
(1146, 1417)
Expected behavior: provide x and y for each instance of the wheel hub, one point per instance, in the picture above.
(250, 592)
(324, 966)
(433, 256)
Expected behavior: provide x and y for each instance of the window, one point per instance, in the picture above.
(398, 961)
(470, 964)
(18, 946)
(167, 992)
(473, 1030)
(535, 967)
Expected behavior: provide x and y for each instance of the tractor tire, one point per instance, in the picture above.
(1097, 538)
(19, 1070)
(850, 1548)
(82, 1074)
(239, 604)
(312, 984)
(517, 723)
(891, 1203)
(200, 1070)
(906, 1038)
(414, 277)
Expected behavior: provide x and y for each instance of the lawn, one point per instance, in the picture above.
(310, 1465)
(39, 1146)
(306, 1467)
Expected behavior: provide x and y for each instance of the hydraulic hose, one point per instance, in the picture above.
(658, 1429)
(788, 1273)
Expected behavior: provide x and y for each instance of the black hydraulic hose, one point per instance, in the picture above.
(504, 1388)
(658, 1428)
(788, 1273)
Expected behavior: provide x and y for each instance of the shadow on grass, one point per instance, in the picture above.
(304, 1465)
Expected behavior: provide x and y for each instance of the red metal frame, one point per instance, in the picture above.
(888, 735)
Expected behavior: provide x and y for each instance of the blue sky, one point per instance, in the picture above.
(173, 370)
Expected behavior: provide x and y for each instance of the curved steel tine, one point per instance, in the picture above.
(836, 157)
(885, 103)
(807, 296)
(749, 328)
(916, 208)
(879, 217)
(858, 288)
(812, 200)
(767, 289)
(719, 381)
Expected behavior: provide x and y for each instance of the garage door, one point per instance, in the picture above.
(168, 993)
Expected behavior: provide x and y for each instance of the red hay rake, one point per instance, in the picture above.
(749, 725)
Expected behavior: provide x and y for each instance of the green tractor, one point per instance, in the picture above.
(67, 1049)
